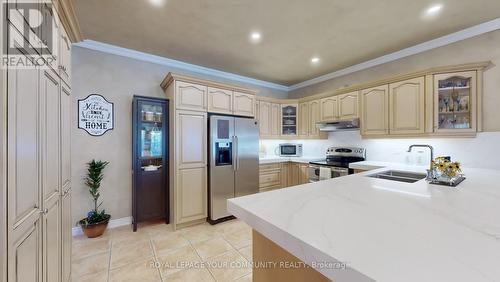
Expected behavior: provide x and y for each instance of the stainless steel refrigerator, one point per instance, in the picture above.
(234, 162)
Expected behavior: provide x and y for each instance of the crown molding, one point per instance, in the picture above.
(125, 52)
(413, 50)
(416, 49)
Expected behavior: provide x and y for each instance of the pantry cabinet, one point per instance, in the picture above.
(192, 194)
(348, 105)
(329, 108)
(407, 106)
(455, 102)
(375, 111)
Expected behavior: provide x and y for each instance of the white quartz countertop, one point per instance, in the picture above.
(385, 230)
(276, 159)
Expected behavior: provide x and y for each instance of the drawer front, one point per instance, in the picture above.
(264, 167)
(269, 188)
(269, 179)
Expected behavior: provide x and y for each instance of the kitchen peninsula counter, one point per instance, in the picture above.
(385, 230)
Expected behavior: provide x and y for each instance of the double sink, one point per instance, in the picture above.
(401, 176)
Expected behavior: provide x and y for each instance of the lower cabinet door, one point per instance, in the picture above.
(303, 173)
(25, 252)
(52, 242)
(66, 236)
(191, 194)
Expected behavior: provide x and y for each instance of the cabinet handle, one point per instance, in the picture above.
(45, 211)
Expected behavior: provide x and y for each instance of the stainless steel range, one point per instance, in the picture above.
(336, 163)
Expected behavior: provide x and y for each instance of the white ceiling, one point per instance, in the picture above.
(215, 33)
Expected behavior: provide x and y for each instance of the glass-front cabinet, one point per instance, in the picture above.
(455, 102)
(150, 159)
(289, 120)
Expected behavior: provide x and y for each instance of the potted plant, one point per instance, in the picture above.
(97, 220)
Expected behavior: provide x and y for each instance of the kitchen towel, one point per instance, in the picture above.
(324, 173)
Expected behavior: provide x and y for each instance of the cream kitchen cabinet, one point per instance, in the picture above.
(314, 117)
(24, 205)
(192, 194)
(304, 120)
(191, 137)
(329, 108)
(66, 236)
(289, 120)
(191, 96)
(375, 111)
(64, 59)
(456, 103)
(275, 123)
(243, 104)
(220, 101)
(407, 106)
(348, 105)
(270, 176)
(265, 119)
(37, 126)
(303, 169)
(191, 150)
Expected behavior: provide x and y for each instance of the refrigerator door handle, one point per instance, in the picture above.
(234, 152)
(236, 158)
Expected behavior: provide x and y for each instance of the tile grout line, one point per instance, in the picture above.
(196, 251)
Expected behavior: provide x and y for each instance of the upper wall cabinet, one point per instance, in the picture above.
(304, 119)
(375, 111)
(190, 96)
(264, 119)
(407, 106)
(220, 100)
(289, 120)
(348, 105)
(314, 117)
(455, 102)
(243, 104)
(275, 119)
(329, 108)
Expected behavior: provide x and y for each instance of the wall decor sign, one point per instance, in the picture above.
(95, 115)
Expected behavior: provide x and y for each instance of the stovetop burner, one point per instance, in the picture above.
(341, 157)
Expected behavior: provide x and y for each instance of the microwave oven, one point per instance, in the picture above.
(290, 150)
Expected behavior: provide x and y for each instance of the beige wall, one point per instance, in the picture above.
(117, 79)
(485, 47)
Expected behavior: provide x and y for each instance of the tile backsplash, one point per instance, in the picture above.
(479, 152)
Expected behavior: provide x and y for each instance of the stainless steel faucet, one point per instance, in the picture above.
(429, 171)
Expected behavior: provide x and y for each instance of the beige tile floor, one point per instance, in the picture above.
(157, 253)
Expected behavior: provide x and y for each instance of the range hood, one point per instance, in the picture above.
(339, 125)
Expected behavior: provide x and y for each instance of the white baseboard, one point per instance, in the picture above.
(112, 224)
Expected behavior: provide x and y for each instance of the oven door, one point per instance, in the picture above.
(336, 172)
(313, 173)
(339, 171)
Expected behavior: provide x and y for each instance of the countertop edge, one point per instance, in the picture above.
(297, 247)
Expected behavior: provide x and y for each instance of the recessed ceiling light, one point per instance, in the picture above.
(157, 3)
(315, 60)
(255, 36)
(434, 9)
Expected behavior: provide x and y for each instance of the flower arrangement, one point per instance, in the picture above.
(446, 167)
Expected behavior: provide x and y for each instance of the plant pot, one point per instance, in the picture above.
(96, 229)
